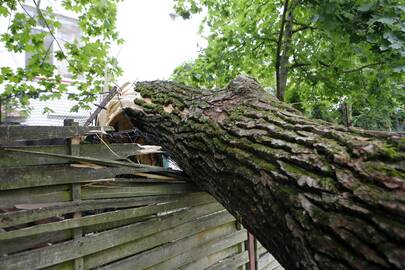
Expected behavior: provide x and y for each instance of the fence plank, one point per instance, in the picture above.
(264, 260)
(211, 244)
(35, 176)
(159, 238)
(260, 251)
(41, 211)
(272, 265)
(204, 262)
(115, 224)
(231, 262)
(97, 161)
(12, 134)
(103, 218)
(49, 194)
(16, 159)
(101, 192)
(167, 251)
(92, 243)
(25, 243)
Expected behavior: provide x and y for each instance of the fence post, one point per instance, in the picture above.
(74, 149)
(251, 247)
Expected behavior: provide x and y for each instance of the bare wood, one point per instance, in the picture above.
(102, 105)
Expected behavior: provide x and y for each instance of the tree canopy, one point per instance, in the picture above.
(87, 57)
(319, 55)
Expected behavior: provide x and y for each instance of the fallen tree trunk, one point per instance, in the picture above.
(316, 195)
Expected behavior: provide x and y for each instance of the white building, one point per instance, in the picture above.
(67, 32)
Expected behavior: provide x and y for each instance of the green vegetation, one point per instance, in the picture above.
(340, 61)
(87, 58)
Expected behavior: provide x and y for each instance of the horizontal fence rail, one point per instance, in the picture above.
(17, 134)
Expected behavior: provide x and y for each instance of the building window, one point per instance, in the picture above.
(68, 32)
(48, 44)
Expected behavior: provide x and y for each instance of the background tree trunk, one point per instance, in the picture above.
(283, 48)
(316, 195)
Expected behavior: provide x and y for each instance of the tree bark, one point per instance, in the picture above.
(316, 195)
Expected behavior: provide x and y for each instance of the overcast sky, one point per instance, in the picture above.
(154, 43)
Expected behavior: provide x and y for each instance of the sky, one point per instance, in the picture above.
(154, 43)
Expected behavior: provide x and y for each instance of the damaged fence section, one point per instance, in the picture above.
(71, 205)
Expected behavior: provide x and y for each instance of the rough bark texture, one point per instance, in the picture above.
(316, 195)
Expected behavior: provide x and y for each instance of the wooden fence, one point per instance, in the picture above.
(80, 206)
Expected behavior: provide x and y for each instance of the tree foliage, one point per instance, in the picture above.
(336, 52)
(87, 58)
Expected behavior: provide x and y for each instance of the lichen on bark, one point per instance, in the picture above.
(316, 195)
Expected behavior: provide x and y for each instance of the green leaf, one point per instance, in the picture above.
(3, 11)
(366, 7)
(75, 108)
(387, 20)
(399, 69)
(47, 110)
